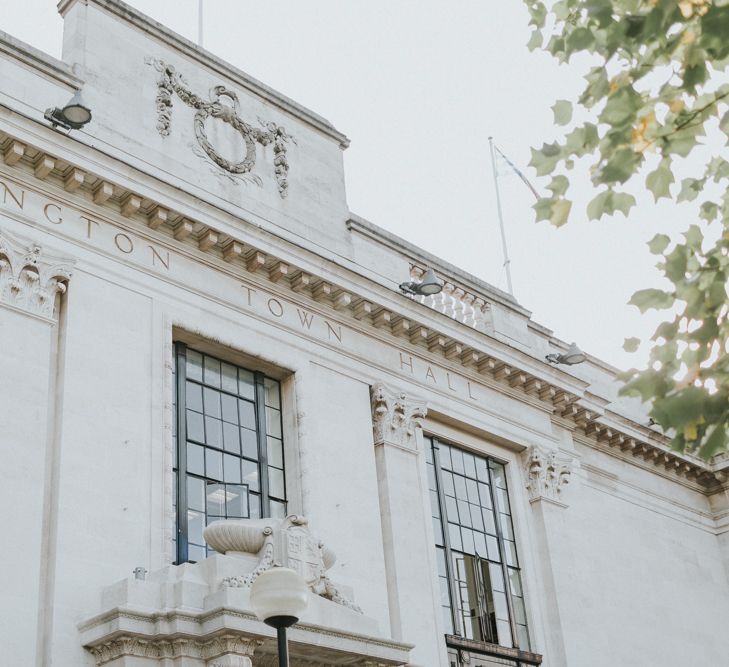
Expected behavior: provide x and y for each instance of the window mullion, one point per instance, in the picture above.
(181, 377)
(455, 599)
(502, 549)
(262, 446)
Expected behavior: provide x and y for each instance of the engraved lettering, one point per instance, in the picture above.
(127, 243)
(448, 381)
(56, 219)
(429, 375)
(337, 333)
(470, 395)
(20, 201)
(89, 226)
(251, 292)
(408, 363)
(305, 318)
(156, 256)
(278, 311)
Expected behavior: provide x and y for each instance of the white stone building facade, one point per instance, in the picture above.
(195, 328)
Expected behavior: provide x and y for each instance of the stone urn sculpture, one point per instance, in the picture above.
(286, 542)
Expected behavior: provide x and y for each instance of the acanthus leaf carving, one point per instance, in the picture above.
(171, 82)
(30, 279)
(395, 417)
(547, 473)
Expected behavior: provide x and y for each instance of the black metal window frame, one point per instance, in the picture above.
(181, 440)
(442, 519)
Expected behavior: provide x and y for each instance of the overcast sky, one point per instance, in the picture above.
(418, 86)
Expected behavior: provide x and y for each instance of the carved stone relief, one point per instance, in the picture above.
(547, 473)
(223, 105)
(395, 417)
(224, 651)
(287, 542)
(29, 278)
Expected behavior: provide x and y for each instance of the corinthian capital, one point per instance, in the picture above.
(547, 473)
(395, 416)
(30, 278)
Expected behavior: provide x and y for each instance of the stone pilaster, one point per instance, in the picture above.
(30, 281)
(546, 475)
(396, 418)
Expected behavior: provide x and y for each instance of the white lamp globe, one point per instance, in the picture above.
(279, 596)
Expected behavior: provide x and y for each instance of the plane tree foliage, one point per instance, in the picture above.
(654, 101)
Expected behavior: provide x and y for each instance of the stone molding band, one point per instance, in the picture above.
(601, 428)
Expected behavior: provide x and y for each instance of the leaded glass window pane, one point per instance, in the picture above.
(233, 457)
(475, 547)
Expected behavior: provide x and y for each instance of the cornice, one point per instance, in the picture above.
(46, 65)
(477, 354)
(123, 11)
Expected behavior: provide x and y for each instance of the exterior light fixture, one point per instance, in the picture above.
(73, 116)
(278, 598)
(428, 286)
(574, 355)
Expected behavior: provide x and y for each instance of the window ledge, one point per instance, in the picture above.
(483, 648)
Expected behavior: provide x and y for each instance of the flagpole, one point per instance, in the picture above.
(200, 23)
(507, 261)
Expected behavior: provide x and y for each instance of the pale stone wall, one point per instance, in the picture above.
(624, 558)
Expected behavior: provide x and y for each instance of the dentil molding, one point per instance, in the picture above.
(30, 279)
(395, 416)
(547, 474)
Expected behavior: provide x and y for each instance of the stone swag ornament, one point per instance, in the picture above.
(286, 542)
(222, 105)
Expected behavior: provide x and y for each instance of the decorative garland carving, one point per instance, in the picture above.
(30, 279)
(215, 650)
(288, 543)
(394, 416)
(171, 82)
(547, 473)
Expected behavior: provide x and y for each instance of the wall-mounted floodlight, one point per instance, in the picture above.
(574, 355)
(428, 286)
(73, 116)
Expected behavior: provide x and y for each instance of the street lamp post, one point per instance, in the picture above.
(278, 598)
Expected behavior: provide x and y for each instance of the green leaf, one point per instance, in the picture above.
(599, 205)
(658, 244)
(709, 211)
(621, 107)
(651, 298)
(562, 112)
(620, 167)
(623, 202)
(631, 344)
(715, 442)
(724, 122)
(545, 160)
(690, 188)
(580, 39)
(560, 212)
(535, 41)
(694, 238)
(659, 181)
(558, 185)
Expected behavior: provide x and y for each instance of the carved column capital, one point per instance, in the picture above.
(30, 278)
(547, 472)
(395, 416)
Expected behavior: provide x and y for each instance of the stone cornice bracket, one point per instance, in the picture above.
(547, 472)
(395, 417)
(30, 278)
